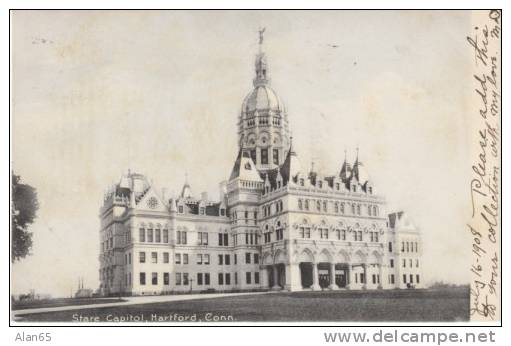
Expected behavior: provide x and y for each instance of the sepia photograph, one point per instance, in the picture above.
(259, 167)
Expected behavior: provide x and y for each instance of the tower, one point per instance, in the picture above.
(263, 124)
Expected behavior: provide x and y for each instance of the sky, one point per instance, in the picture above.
(159, 92)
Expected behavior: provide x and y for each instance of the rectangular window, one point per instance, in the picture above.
(199, 258)
(227, 278)
(411, 278)
(374, 279)
(166, 278)
(276, 156)
(227, 260)
(142, 257)
(206, 259)
(235, 259)
(199, 279)
(256, 277)
(220, 278)
(264, 156)
(256, 258)
(249, 278)
(154, 257)
(206, 279)
(404, 263)
(392, 278)
(220, 259)
(157, 236)
(391, 263)
(129, 258)
(417, 278)
(183, 238)
(154, 278)
(390, 246)
(178, 279)
(404, 278)
(185, 258)
(141, 236)
(185, 279)
(247, 258)
(165, 257)
(178, 237)
(236, 278)
(178, 258)
(220, 239)
(226, 239)
(362, 278)
(165, 235)
(149, 235)
(142, 278)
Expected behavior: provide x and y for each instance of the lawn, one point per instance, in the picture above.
(450, 304)
(55, 302)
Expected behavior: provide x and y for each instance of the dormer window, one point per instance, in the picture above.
(202, 210)
(320, 184)
(222, 212)
(276, 156)
(337, 186)
(302, 182)
(264, 156)
(370, 190)
(180, 209)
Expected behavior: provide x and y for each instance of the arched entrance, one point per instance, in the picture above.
(341, 275)
(306, 274)
(324, 274)
(305, 261)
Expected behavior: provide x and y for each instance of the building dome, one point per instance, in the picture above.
(262, 98)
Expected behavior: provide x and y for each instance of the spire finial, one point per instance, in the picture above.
(261, 36)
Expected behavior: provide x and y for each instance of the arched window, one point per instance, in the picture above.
(369, 210)
(375, 210)
(306, 204)
(300, 204)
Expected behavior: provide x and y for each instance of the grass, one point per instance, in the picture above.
(56, 302)
(448, 304)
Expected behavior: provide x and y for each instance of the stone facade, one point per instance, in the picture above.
(275, 226)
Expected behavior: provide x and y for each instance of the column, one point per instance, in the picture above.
(332, 285)
(351, 279)
(264, 277)
(275, 278)
(315, 278)
(293, 279)
(380, 276)
(364, 267)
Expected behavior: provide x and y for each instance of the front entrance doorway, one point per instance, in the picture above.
(324, 275)
(341, 275)
(306, 274)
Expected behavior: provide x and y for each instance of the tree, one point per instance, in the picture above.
(24, 206)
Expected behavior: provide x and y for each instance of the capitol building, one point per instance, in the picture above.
(276, 225)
